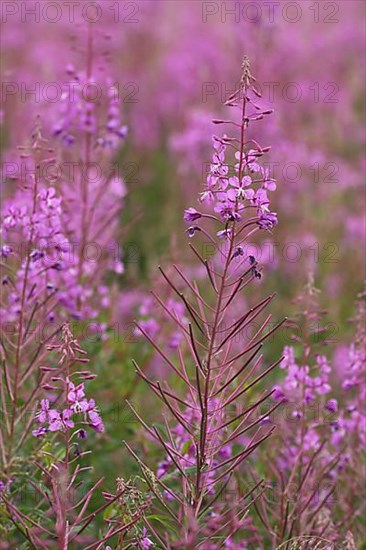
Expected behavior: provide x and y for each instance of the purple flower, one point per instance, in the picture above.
(225, 451)
(50, 198)
(191, 215)
(192, 230)
(150, 326)
(76, 399)
(261, 199)
(227, 211)
(122, 132)
(163, 468)
(309, 396)
(239, 251)
(54, 420)
(278, 393)
(82, 434)
(5, 485)
(145, 543)
(39, 432)
(332, 405)
(267, 220)
(251, 160)
(36, 255)
(268, 183)
(60, 421)
(238, 189)
(175, 340)
(6, 251)
(95, 421)
(42, 415)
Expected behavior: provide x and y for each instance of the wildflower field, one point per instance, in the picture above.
(183, 303)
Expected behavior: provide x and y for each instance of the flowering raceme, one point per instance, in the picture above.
(53, 420)
(313, 458)
(79, 112)
(230, 194)
(76, 185)
(65, 510)
(76, 405)
(207, 444)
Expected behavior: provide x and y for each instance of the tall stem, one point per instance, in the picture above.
(201, 455)
(65, 535)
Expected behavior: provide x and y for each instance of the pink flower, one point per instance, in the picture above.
(60, 422)
(191, 215)
(76, 396)
(227, 211)
(145, 543)
(42, 415)
(95, 421)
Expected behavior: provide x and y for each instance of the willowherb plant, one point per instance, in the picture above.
(47, 276)
(34, 264)
(90, 131)
(79, 184)
(304, 460)
(64, 514)
(41, 286)
(211, 428)
(313, 457)
(47, 230)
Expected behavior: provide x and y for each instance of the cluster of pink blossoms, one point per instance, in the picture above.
(36, 243)
(300, 385)
(78, 409)
(228, 195)
(306, 388)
